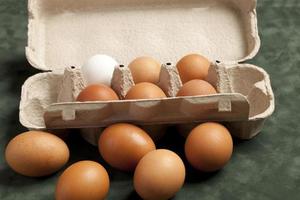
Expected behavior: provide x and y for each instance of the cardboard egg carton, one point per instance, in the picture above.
(65, 33)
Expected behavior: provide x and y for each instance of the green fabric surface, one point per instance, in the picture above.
(266, 167)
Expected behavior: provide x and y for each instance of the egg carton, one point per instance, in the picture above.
(63, 34)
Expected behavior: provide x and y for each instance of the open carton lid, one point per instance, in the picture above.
(66, 33)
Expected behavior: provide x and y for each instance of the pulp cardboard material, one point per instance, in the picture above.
(65, 33)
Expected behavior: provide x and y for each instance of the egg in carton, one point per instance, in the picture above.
(74, 82)
(222, 78)
(224, 30)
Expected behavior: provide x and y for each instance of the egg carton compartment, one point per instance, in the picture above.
(249, 80)
(235, 101)
(66, 33)
(172, 110)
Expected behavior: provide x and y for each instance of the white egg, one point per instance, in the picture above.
(99, 69)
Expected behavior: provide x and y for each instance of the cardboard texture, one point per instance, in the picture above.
(62, 34)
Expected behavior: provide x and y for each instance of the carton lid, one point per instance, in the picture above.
(66, 33)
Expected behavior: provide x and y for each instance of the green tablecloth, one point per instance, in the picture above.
(266, 167)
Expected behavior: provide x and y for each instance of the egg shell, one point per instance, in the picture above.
(99, 69)
(196, 88)
(159, 175)
(193, 66)
(97, 92)
(145, 69)
(83, 180)
(209, 147)
(36, 153)
(145, 91)
(123, 145)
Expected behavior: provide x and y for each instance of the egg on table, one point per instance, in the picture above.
(193, 66)
(83, 180)
(97, 92)
(36, 153)
(160, 174)
(145, 69)
(123, 145)
(208, 147)
(145, 90)
(196, 88)
(99, 69)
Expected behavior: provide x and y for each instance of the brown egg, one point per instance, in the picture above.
(97, 92)
(196, 88)
(145, 69)
(209, 147)
(83, 180)
(145, 91)
(123, 145)
(36, 153)
(193, 66)
(159, 175)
